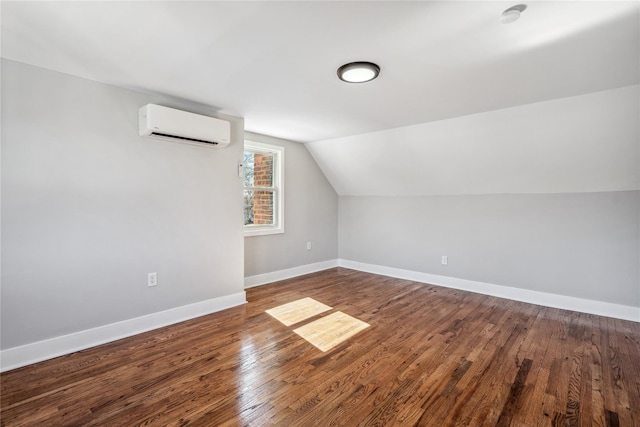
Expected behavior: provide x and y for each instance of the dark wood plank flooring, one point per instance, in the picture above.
(432, 357)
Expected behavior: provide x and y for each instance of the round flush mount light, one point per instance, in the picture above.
(512, 14)
(358, 72)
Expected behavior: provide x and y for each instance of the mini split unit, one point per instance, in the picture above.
(181, 126)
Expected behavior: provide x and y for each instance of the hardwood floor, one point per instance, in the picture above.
(432, 356)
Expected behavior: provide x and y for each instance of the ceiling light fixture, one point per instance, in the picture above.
(358, 72)
(512, 14)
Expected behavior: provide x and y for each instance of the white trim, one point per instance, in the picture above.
(47, 349)
(274, 276)
(599, 308)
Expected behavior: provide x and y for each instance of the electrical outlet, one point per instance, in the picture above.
(308, 246)
(152, 279)
(445, 260)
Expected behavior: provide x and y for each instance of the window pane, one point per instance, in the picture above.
(263, 179)
(248, 169)
(262, 170)
(258, 207)
(248, 207)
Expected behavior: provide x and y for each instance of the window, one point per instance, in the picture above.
(263, 190)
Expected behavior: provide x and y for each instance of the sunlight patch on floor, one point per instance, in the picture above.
(329, 331)
(297, 311)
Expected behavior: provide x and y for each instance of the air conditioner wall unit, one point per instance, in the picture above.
(170, 124)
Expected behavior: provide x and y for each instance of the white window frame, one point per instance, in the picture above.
(278, 186)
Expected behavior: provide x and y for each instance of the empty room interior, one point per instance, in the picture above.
(299, 213)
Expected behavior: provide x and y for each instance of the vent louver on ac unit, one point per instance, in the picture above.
(180, 126)
(158, 134)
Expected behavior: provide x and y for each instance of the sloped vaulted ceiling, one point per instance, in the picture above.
(274, 63)
(586, 143)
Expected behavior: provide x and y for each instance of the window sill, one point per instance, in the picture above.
(262, 231)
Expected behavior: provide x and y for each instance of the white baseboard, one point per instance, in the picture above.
(274, 276)
(47, 349)
(600, 308)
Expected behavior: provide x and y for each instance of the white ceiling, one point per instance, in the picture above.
(274, 63)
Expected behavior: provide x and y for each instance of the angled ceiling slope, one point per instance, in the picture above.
(275, 63)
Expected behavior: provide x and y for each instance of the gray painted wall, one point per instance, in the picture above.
(584, 245)
(89, 208)
(310, 214)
